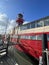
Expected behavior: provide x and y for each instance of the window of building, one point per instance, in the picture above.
(33, 25)
(40, 24)
(24, 27)
(39, 37)
(22, 37)
(14, 36)
(33, 37)
(46, 22)
(25, 37)
(28, 26)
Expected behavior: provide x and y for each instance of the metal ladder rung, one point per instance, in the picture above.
(2, 48)
(1, 51)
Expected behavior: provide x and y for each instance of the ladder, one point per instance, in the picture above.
(3, 49)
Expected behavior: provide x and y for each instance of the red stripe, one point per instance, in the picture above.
(35, 33)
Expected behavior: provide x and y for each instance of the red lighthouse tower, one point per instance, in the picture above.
(20, 19)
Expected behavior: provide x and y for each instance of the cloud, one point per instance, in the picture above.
(3, 19)
(3, 22)
(25, 22)
(6, 24)
(11, 25)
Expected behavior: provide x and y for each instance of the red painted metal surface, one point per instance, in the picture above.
(34, 33)
(32, 47)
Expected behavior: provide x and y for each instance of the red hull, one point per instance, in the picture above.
(32, 47)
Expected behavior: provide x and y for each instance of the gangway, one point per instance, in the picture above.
(14, 57)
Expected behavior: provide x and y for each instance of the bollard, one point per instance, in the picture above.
(40, 60)
(44, 47)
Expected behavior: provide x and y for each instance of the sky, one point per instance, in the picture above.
(31, 10)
